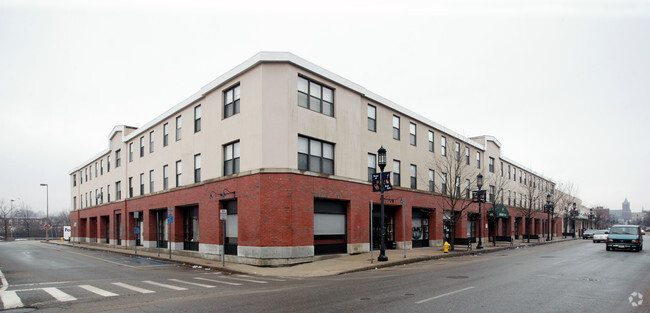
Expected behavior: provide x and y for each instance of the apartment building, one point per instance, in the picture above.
(285, 150)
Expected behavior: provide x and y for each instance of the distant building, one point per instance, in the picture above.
(626, 212)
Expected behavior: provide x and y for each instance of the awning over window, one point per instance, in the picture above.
(499, 211)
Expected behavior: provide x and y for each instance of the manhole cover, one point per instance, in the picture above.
(457, 277)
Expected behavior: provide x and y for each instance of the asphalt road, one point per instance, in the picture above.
(575, 276)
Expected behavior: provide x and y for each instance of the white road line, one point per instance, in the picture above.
(248, 280)
(10, 300)
(5, 283)
(59, 295)
(164, 285)
(556, 263)
(191, 283)
(98, 291)
(444, 295)
(267, 278)
(134, 288)
(218, 281)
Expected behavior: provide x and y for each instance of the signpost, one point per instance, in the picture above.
(170, 220)
(223, 216)
(136, 231)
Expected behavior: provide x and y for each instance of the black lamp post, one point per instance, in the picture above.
(574, 212)
(549, 209)
(382, 163)
(479, 184)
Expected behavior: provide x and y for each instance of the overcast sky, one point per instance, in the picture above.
(563, 85)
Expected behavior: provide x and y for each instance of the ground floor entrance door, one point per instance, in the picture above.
(118, 228)
(419, 228)
(232, 227)
(389, 226)
(191, 228)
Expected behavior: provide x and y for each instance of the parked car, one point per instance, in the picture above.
(588, 234)
(625, 237)
(600, 236)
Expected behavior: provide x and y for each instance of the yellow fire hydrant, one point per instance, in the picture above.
(445, 247)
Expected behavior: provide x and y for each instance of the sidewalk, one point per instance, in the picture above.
(328, 265)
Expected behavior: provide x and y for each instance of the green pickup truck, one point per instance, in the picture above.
(625, 237)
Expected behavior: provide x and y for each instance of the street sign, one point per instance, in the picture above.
(385, 179)
(136, 215)
(75, 224)
(136, 230)
(170, 219)
(478, 196)
(223, 214)
(46, 227)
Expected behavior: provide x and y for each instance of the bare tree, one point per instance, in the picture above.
(563, 197)
(533, 195)
(500, 184)
(456, 176)
(7, 212)
(58, 221)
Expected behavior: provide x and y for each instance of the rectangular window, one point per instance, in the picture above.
(395, 127)
(151, 186)
(101, 167)
(179, 172)
(412, 134)
(130, 187)
(165, 134)
(315, 155)
(74, 203)
(509, 172)
(151, 141)
(141, 184)
(165, 177)
(101, 195)
(478, 159)
(108, 163)
(414, 176)
(502, 170)
(467, 155)
(179, 128)
(396, 173)
(372, 118)
(467, 188)
(118, 191)
(431, 181)
(197, 118)
(131, 152)
(457, 185)
(108, 193)
(491, 165)
(142, 146)
(118, 158)
(372, 165)
(509, 197)
(315, 96)
(197, 168)
(457, 151)
(231, 159)
(430, 141)
(444, 183)
(231, 102)
(443, 146)
(96, 170)
(492, 195)
(91, 198)
(86, 173)
(74, 180)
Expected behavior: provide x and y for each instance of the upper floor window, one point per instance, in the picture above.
(396, 172)
(118, 157)
(443, 177)
(414, 176)
(412, 132)
(478, 159)
(492, 194)
(231, 158)
(372, 165)
(130, 187)
(315, 96)
(372, 118)
(108, 163)
(118, 190)
(179, 128)
(431, 181)
(231, 102)
(101, 167)
(151, 186)
(501, 171)
(165, 177)
(491, 165)
(430, 141)
(395, 127)
(74, 180)
(467, 155)
(179, 172)
(467, 188)
(197, 118)
(315, 155)
(197, 168)
(151, 141)
(443, 146)
(141, 184)
(457, 151)
(131, 152)
(165, 134)
(142, 146)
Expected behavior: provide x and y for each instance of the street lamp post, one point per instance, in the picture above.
(382, 163)
(479, 184)
(573, 219)
(47, 212)
(549, 210)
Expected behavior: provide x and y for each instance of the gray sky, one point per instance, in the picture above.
(563, 85)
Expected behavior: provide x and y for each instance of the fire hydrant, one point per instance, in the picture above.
(445, 247)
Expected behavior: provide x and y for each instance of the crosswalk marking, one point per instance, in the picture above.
(164, 285)
(248, 280)
(98, 291)
(267, 278)
(134, 288)
(191, 283)
(10, 300)
(218, 281)
(59, 295)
